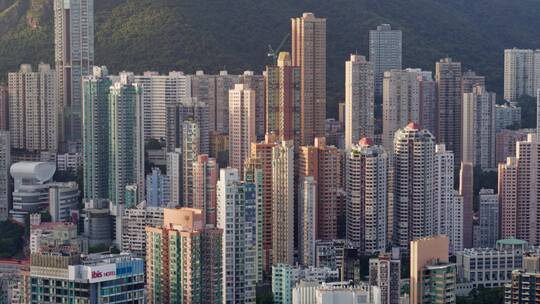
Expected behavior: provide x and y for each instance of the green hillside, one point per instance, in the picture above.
(221, 34)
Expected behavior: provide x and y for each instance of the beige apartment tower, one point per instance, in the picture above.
(283, 203)
(241, 125)
(308, 35)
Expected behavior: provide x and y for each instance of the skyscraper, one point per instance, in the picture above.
(385, 49)
(213, 90)
(189, 109)
(190, 151)
(520, 77)
(448, 205)
(309, 53)
(448, 77)
(307, 217)
(283, 99)
(257, 84)
(466, 191)
(469, 80)
(176, 176)
(74, 58)
(262, 153)
(323, 163)
(359, 100)
(96, 134)
(428, 101)
(413, 178)
(489, 218)
(519, 185)
(4, 108)
(205, 177)
(159, 93)
(237, 217)
(401, 102)
(478, 129)
(194, 275)
(33, 116)
(366, 188)
(157, 189)
(241, 125)
(283, 203)
(126, 145)
(5, 163)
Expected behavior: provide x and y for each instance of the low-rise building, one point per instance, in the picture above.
(285, 277)
(488, 267)
(72, 278)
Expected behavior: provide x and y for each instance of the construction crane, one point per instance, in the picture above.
(274, 53)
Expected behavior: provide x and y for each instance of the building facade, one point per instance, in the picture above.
(385, 52)
(359, 100)
(308, 44)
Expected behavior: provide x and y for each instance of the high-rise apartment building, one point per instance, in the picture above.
(433, 279)
(489, 218)
(74, 58)
(157, 189)
(96, 134)
(257, 83)
(160, 92)
(478, 128)
(385, 48)
(428, 101)
(213, 90)
(505, 143)
(253, 174)
(519, 185)
(194, 275)
(5, 163)
(448, 205)
(190, 151)
(33, 114)
(176, 177)
(189, 109)
(366, 187)
(283, 203)
(469, 80)
(307, 212)
(448, 77)
(359, 100)
(538, 115)
(126, 140)
(283, 99)
(241, 125)
(237, 217)
(135, 220)
(385, 273)
(401, 102)
(521, 77)
(4, 108)
(205, 177)
(309, 53)
(507, 115)
(466, 191)
(262, 153)
(324, 164)
(413, 184)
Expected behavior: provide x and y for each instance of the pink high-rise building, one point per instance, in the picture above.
(519, 185)
(323, 163)
(241, 125)
(505, 143)
(205, 176)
